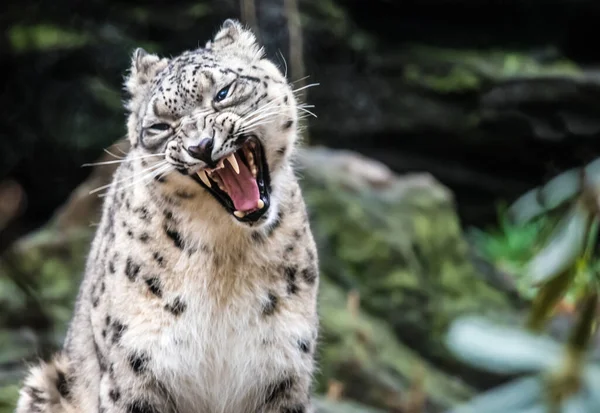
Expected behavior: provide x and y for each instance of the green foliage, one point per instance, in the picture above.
(446, 70)
(562, 377)
(402, 247)
(557, 378)
(510, 246)
(42, 37)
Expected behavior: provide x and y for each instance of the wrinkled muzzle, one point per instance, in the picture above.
(229, 164)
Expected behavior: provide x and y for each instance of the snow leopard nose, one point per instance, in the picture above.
(203, 152)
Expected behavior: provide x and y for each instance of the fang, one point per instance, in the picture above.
(234, 163)
(239, 214)
(204, 178)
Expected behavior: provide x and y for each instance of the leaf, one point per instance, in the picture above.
(560, 189)
(546, 299)
(586, 324)
(566, 244)
(520, 395)
(501, 349)
(577, 404)
(591, 376)
(592, 173)
(526, 207)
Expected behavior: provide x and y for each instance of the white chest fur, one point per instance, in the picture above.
(223, 351)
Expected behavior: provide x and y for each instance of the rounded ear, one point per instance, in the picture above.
(233, 34)
(144, 67)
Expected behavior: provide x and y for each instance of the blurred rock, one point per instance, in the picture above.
(396, 240)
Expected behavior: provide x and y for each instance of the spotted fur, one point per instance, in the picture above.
(183, 308)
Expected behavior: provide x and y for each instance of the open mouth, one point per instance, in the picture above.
(240, 182)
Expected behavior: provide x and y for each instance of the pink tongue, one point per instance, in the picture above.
(241, 188)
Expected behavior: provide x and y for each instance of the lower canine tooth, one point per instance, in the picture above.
(204, 178)
(261, 204)
(239, 214)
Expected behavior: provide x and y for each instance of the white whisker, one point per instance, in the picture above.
(151, 174)
(260, 109)
(305, 87)
(262, 115)
(307, 111)
(284, 63)
(121, 150)
(120, 161)
(153, 167)
(300, 80)
(113, 155)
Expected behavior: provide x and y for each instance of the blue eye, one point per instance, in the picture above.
(222, 94)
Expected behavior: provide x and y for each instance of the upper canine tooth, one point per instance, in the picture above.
(204, 178)
(234, 164)
(261, 204)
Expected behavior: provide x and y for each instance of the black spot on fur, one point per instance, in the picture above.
(141, 406)
(175, 236)
(111, 220)
(290, 276)
(176, 307)
(100, 357)
(158, 258)
(275, 224)
(95, 298)
(111, 267)
(131, 269)
(36, 396)
(138, 362)
(114, 395)
(311, 254)
(144, 237)
(278, 391)
(270, 307)
(309, 275)
(142, 213)
(130, 233)
(117, 329)
(184, 195)
(258, 237)
(154, 285)
(304, 346)
(63, 385)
